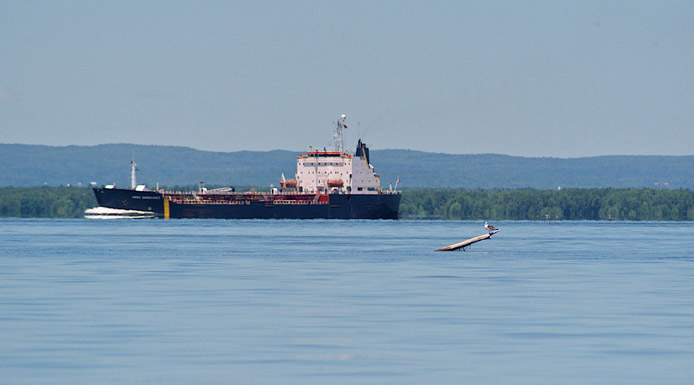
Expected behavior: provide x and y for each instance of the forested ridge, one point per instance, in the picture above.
(453, 204)
(34, 165)
(564, 204)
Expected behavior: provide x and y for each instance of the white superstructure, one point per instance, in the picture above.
(336, 171)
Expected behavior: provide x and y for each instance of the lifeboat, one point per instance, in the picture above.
(335, 183)
(290, 183)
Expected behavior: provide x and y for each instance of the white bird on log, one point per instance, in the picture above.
(489, 227)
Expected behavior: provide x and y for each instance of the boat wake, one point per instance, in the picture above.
(109, 213)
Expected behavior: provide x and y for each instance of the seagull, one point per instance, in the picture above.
(489, 227)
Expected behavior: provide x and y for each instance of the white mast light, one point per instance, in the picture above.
(133, 178)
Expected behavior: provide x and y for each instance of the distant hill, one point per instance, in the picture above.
(486, 171)
(35, 165)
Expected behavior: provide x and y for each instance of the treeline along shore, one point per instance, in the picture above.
(564, 204)
(45, 202)
(452, 204)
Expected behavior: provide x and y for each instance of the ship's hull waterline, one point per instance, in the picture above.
(255, 206)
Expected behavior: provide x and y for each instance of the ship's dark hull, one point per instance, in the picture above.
(337, 206)
(128, 199)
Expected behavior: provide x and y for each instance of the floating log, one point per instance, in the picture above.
(468, 242)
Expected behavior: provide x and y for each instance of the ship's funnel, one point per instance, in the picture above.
(362, 151)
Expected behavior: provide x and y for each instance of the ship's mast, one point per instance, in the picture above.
(338, 133)
(133, 178)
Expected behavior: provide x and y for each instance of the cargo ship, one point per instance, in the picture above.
(333, 184)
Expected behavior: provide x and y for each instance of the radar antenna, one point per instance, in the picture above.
(338, 133)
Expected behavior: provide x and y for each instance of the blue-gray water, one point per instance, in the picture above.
(344, 302)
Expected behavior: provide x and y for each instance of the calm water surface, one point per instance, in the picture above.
(344, 302)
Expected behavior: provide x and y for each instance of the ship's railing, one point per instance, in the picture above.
(253, 195)
(210, 202)
(245, 202)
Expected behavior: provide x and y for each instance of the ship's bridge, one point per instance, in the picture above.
(337, 172)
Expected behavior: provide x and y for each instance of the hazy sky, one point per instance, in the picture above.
(531, 78)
